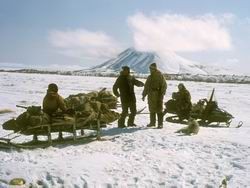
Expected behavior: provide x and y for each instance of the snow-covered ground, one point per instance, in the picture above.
(132, 157)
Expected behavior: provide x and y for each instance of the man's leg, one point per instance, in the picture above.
(132, 115)
(160, 113)
(152, 119)
(121, 121)
(160, 119)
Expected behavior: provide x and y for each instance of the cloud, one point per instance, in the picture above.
(84, 44)
(180, 33)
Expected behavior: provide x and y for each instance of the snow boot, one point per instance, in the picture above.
(132, 125)
(121, 122)
(131, 121)
(160, 120)
(152, 120)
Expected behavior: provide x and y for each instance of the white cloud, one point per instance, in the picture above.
(179, 33)
(84, 44)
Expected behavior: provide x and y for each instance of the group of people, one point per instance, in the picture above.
(154, 89)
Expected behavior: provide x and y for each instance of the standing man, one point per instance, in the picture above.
(155, 88)
(125, 83)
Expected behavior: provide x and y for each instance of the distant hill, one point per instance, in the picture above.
(181, 77)
(174, 66)
(139, 62)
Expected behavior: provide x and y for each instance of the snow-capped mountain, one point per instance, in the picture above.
(139, 62)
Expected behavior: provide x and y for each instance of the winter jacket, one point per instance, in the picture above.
(183, 103)
(52, 103)
(155, 88)
(125, 84)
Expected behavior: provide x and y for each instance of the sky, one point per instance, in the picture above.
(83, 33)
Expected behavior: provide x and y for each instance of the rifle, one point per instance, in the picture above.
(34, 110)
(20, 106)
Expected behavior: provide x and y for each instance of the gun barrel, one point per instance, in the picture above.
(212, 95)
(20, 106)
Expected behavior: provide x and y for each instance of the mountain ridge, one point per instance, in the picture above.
(139, 61)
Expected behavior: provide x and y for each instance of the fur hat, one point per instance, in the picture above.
(153, 66)
(126, 68)
(52, 88)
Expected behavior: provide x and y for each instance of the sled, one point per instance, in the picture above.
(69, 140)
(90, 111)
(206, 112)
(47, 130)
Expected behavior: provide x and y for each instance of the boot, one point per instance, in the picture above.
(121, 122)
(160, 120)
(131, 121)
(152, 120)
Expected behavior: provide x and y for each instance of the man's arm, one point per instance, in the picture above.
(115, 87)
(62, 104)
(146, 88)
(163, 86)
(138, 83)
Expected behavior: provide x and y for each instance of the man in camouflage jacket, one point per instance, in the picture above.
(155, 88)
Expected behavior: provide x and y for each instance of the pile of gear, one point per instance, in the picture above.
(83, 111)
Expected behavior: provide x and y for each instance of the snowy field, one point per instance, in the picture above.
(132, 157)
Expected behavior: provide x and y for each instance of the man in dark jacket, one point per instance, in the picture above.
(155, 88)
(125, 83)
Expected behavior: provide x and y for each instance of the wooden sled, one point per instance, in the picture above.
(48, 129)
